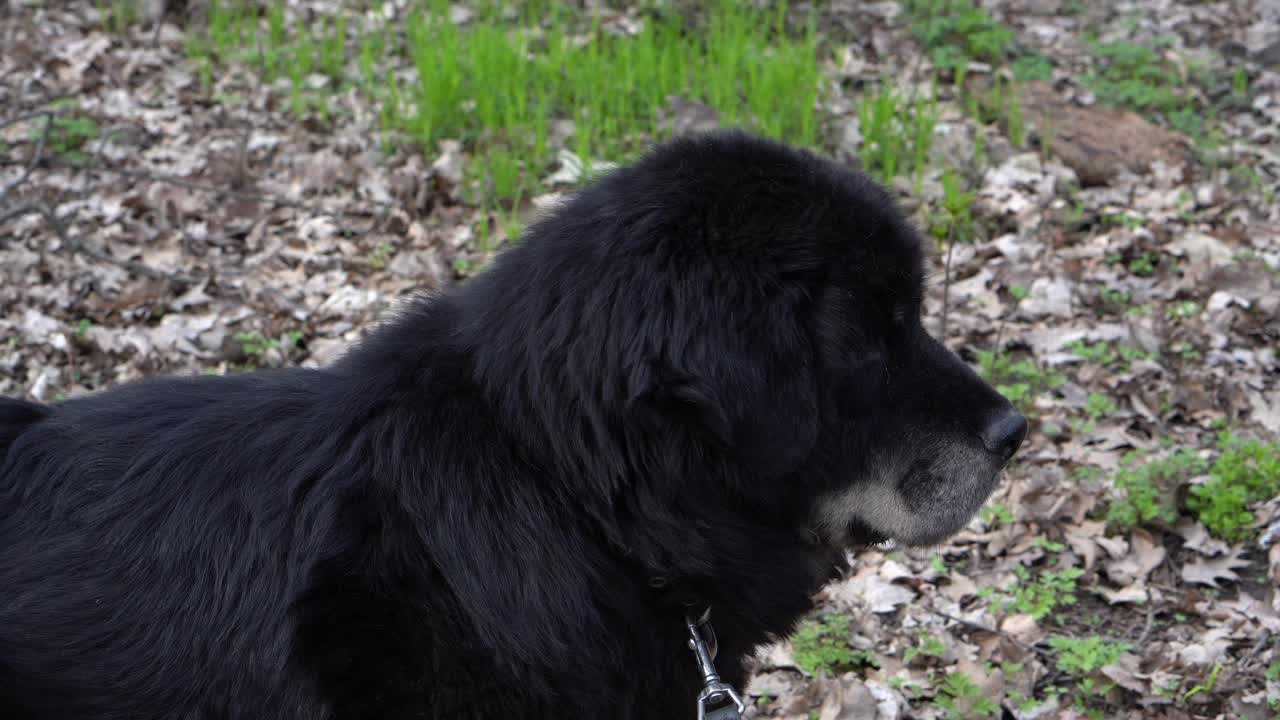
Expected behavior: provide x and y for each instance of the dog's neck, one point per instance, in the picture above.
(643, 518)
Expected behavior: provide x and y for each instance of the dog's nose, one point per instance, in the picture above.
(1005, 433)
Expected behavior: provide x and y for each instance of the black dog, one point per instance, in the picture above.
(689, 387)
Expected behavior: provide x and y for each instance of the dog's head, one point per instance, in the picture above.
(772, 300)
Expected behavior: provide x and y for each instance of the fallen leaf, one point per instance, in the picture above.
(1196, 537)
(1208, 571)
(1143, 557)
(1023, 628)
(959, 587)
(1131, 594)
(1126, 672)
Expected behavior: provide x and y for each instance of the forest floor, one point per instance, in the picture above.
(214, 187)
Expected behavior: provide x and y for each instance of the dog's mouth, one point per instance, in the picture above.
(860, 535)
(922, 508)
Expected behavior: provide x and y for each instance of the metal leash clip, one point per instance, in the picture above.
(715, 694)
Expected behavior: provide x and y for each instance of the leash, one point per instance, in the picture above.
(718, 700)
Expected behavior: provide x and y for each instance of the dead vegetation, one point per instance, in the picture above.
(1109, 241)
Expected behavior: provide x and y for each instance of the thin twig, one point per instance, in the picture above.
(23, 117)
(983, 628)
(1146, 629)
(76, 245)
(946, 280)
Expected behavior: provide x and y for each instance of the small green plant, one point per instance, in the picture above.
(1104, 353)
(1143, 265)
(1148, 490)
(1098, 406)
(254, 344)
(1183, 310)
(1049, 590)
(938, 565)
(1115, 299)
(927, 646)
(1125, 219)
(1139, 77)
(995, 515)
(377, 257)
(1101, 353)
(1045, 543)
(1083, 658)
(767, 695)
(1245, 471)
(822, 646)
(1037, 594)
(1020, 381)
(955, 31)
(67, 134)
(960, 698)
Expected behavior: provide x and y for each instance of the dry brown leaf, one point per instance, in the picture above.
(959, 587)
(1130, 594)
(1208, 571)
(1083, 539)
(1143, 557)
(1196, 537)
(1023, 628)
(1127, 673)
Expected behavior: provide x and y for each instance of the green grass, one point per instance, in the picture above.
(117, 15)
(496, 84)
(897, 132)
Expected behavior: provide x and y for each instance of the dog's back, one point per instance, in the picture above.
(159, 504)
(15, 417)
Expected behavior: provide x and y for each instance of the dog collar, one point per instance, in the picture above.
(717, 700)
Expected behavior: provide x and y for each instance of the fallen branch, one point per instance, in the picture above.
(77, 245)
(995, 631)
(23, 117)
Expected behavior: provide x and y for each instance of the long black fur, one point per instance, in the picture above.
(500, 504)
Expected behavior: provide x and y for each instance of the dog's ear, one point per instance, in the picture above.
(750, 384)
